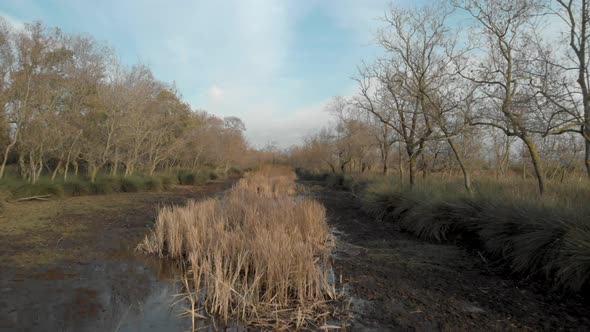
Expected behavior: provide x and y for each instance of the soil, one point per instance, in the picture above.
(76, 270)
(73, 268)
(400, 283)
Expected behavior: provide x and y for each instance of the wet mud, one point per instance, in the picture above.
(399, 283)
(92, 279)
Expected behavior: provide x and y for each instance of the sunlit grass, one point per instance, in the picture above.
(256, 255)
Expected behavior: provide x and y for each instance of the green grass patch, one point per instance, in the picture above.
(154, 183)
(132, 184)
(19, 188)
(191, 178)
(77, 187)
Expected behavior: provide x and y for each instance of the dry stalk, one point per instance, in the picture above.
(255, 255)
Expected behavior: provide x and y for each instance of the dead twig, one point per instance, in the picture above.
(32, 198)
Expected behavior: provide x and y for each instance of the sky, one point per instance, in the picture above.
(273, 63)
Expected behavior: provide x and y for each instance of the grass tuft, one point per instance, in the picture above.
(132, 184)
(154, 183)
(256, 254)
(547, 237)
(106, 185)
(77, 187)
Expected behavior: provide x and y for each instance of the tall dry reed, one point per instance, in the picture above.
(256, 255)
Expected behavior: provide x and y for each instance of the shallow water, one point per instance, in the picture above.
(109, 295)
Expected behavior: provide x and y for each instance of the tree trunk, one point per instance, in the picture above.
(40, 169)
(128, 169)
(66, 170)
(424, 167)
(153, 168)
(466, 177)
(412, 170)
(22, 167)
(536, 161)
(93, 171)
(7, 152)
(115, 168)
(55, 171)
(505, 166)
(76, 167)
(400, 164)
(587, 152)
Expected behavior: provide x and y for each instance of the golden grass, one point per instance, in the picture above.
(256, 255)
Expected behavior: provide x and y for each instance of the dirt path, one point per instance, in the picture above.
(69, 265)
(401, 283)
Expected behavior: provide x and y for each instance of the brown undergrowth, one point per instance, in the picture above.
(257, 255)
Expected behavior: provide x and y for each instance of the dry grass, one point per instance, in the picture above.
(256, 255)
(504, 219)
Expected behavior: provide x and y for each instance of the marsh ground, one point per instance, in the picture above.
(401, 283)
(70, 265)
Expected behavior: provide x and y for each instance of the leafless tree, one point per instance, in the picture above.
(504, 29)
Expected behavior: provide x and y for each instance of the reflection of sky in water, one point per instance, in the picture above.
(129, 294)
(133, 297)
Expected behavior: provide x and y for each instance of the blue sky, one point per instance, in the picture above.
(274, 63)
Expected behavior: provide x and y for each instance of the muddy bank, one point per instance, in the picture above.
(401, 283)
(69, 265)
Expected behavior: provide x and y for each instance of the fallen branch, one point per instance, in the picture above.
(32, 198)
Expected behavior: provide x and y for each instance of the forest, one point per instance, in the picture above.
(72, 110)
(499, 98)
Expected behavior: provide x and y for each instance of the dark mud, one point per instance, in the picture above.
(78, 272)
(93, 280)
(400, 283)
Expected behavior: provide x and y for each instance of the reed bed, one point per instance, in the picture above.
(256, 255)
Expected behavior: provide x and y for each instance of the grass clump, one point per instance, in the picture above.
(168, 181)
(531, 236)
(106, 185)
(154, 183)
(192, 178)
(132, 184)
(19, 188)
(77, 187)
(256, 254)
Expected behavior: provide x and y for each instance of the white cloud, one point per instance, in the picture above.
(269, 125)
(215, 92)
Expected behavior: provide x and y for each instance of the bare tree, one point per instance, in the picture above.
(8, 119)
(504, 29)
(563, 79)
(408, 91)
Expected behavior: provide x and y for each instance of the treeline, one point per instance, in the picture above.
(70, 108)
(488, 85)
